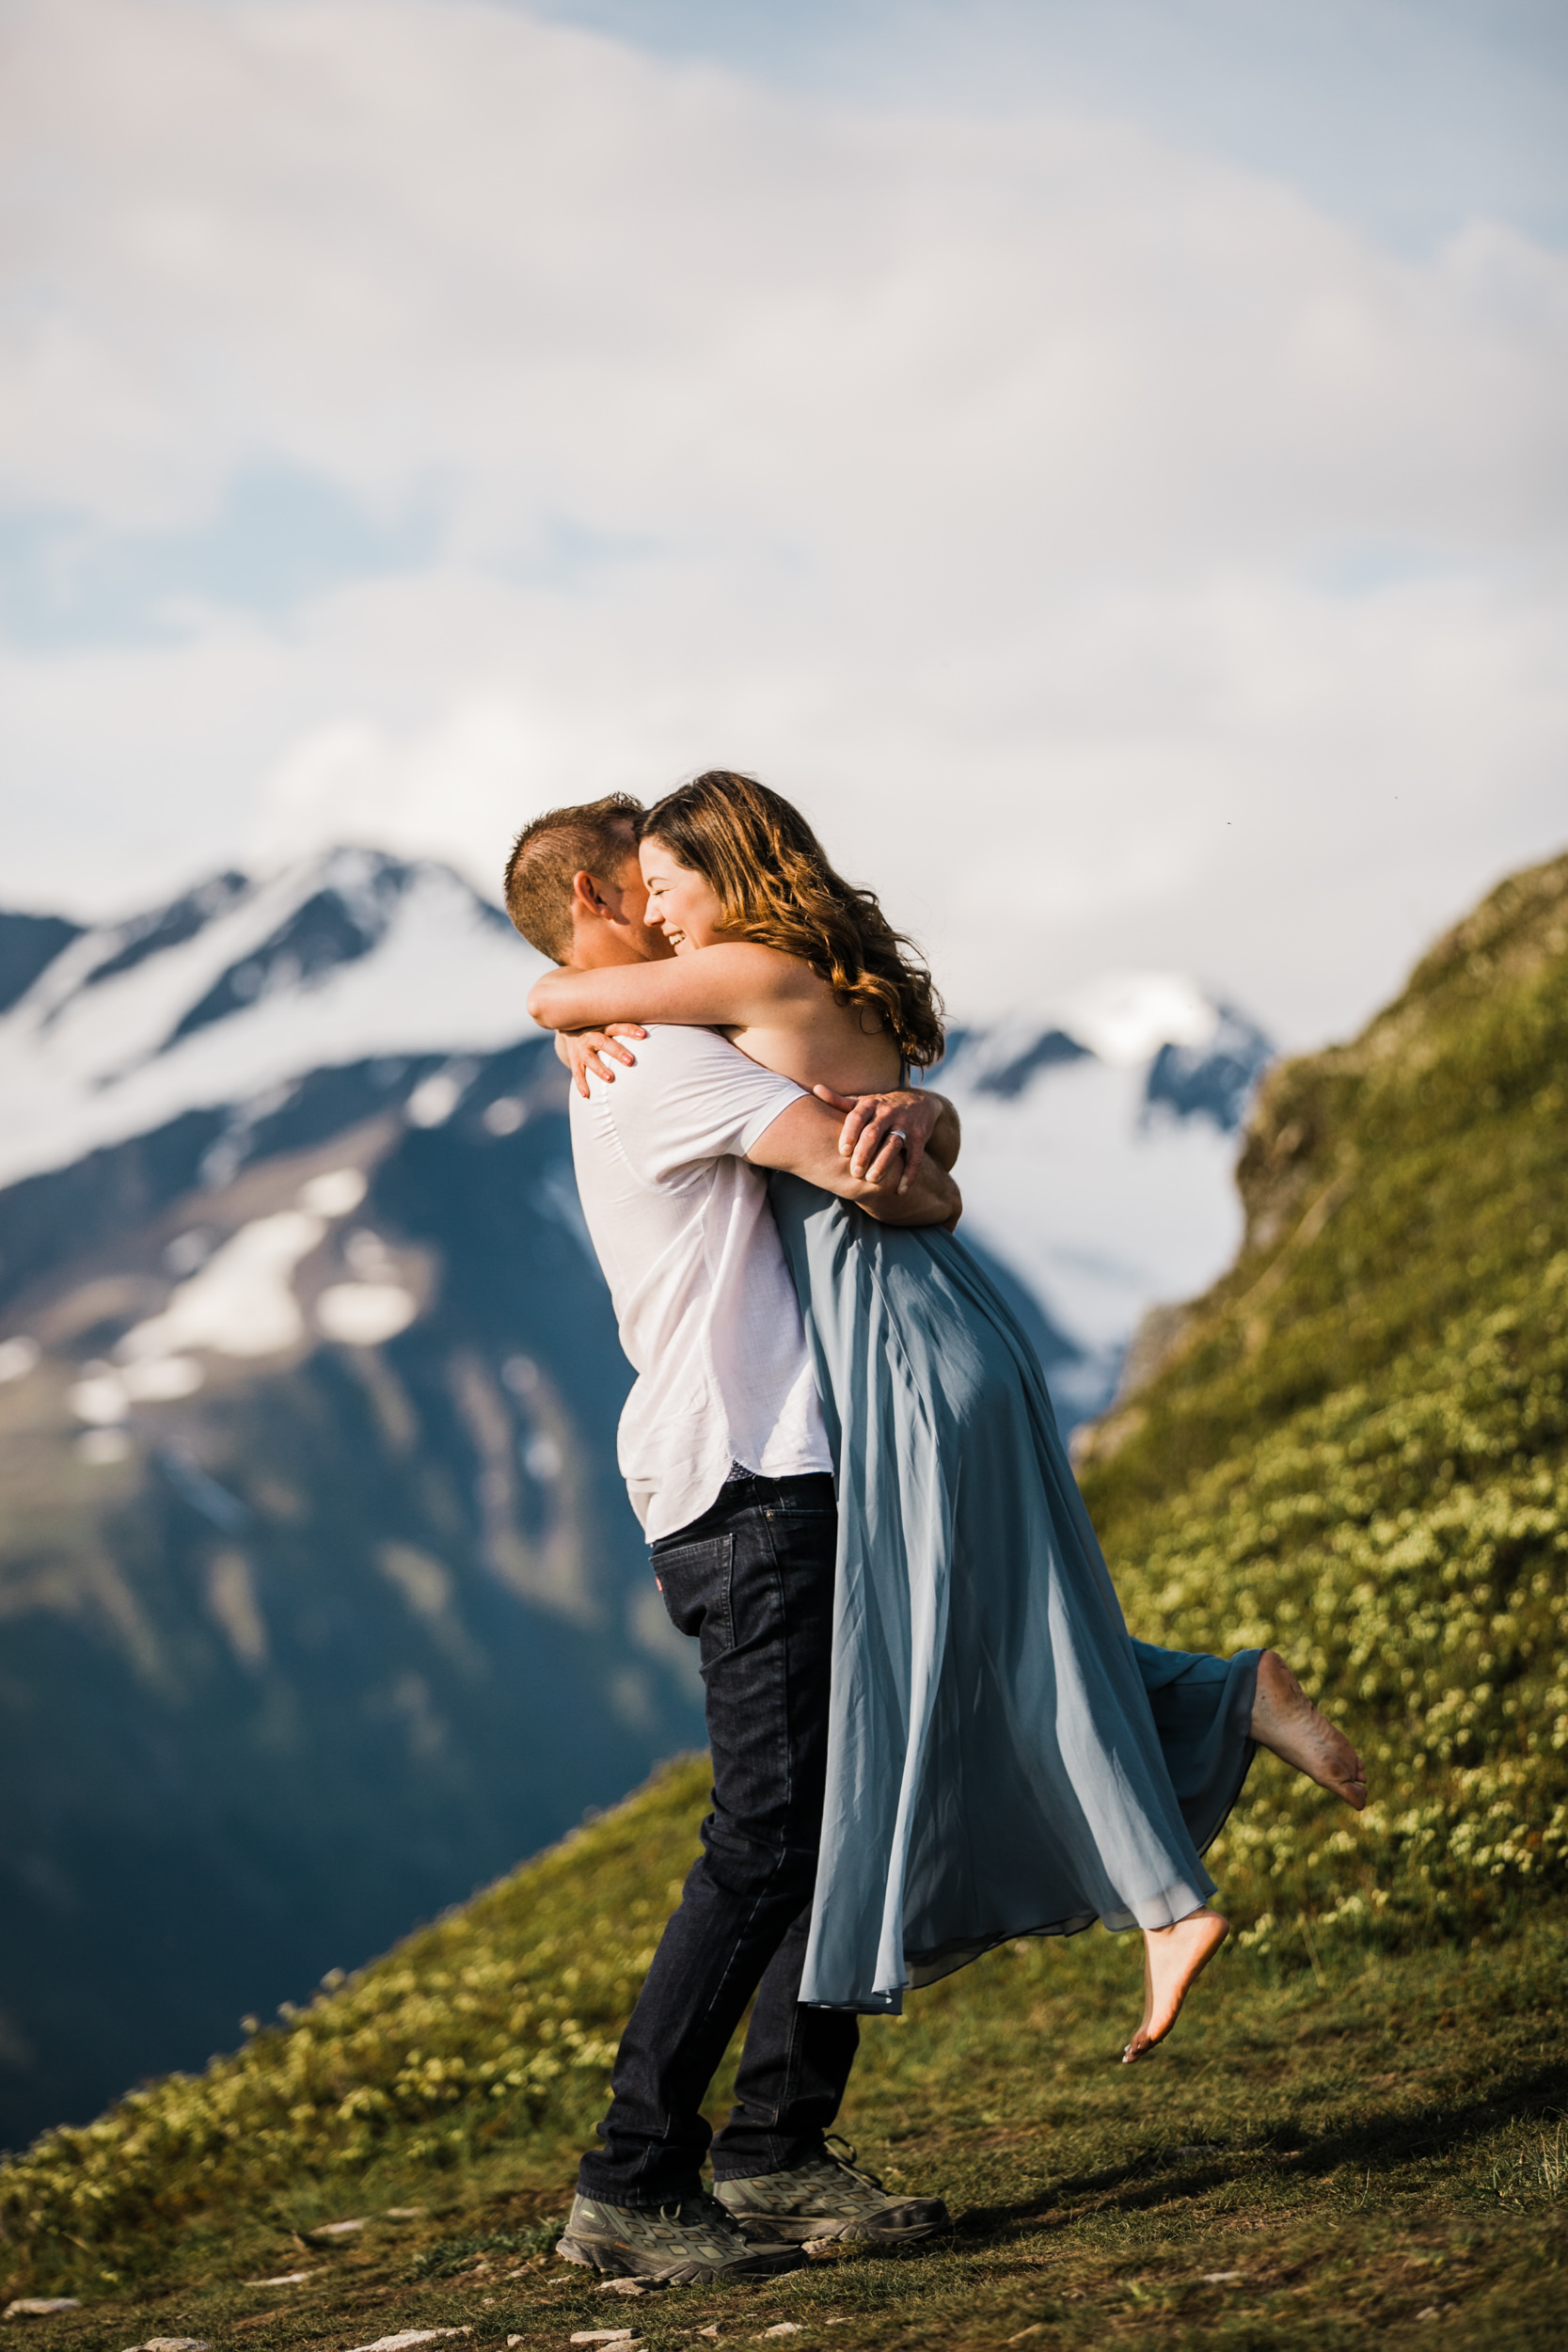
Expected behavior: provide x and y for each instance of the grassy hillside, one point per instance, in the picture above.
(1319, 2158)
(1354, 1450)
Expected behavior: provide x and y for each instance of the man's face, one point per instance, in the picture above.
(628, 899)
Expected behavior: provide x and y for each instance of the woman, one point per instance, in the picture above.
(995, 1761)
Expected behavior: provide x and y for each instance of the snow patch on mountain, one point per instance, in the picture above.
(1124, 1018)
(242, 1302)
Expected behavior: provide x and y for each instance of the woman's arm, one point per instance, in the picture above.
(718, 987)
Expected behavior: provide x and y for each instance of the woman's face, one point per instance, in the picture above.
(679, 901)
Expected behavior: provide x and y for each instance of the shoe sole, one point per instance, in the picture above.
(823, 2230)
(616, 2261)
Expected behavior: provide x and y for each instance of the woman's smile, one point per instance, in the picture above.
(681, 903)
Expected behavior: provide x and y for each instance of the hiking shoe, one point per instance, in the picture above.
(826, 2197)
(694, 2243)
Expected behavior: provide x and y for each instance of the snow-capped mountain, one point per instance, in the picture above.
(322, 1600)
(239, 988)
(1098, 1143)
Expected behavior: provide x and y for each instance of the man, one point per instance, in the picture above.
(726, 1456)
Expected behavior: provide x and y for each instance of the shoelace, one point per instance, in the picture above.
(849, 2163)
(702, 2221)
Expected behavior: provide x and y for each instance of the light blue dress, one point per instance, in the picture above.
(1003, 1759)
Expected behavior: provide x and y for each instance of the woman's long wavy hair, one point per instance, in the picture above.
(771, 877)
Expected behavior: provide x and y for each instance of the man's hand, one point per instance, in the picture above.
(804, 1140)
(585, 1050)
(911, 1119)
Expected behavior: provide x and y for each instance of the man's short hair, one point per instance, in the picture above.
(596, 838)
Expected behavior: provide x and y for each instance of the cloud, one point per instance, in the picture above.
(280, 537)
(1116, 554)
(1410, 116)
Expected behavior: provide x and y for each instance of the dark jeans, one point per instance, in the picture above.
(752, 1578)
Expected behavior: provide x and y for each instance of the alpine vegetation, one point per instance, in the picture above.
(1356, 1450)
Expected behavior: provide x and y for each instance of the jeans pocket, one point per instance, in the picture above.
(695, 1582)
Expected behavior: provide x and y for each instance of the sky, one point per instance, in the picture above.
(1105, 459)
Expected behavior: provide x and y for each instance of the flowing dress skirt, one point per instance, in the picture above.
(1003, 1759)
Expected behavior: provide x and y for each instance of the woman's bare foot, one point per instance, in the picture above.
(1174, 1958)
(1285, 1721)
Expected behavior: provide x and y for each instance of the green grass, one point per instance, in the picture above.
(1358, 1452)
(1360, 2141)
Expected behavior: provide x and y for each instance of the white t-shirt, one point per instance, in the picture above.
(707, 1312)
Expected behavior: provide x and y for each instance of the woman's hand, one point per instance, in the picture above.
(879, 1126)
(585, 1050)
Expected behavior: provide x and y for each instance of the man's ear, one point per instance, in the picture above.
(587, 897)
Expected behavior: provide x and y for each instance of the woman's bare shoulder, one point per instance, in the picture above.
(769, 969)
